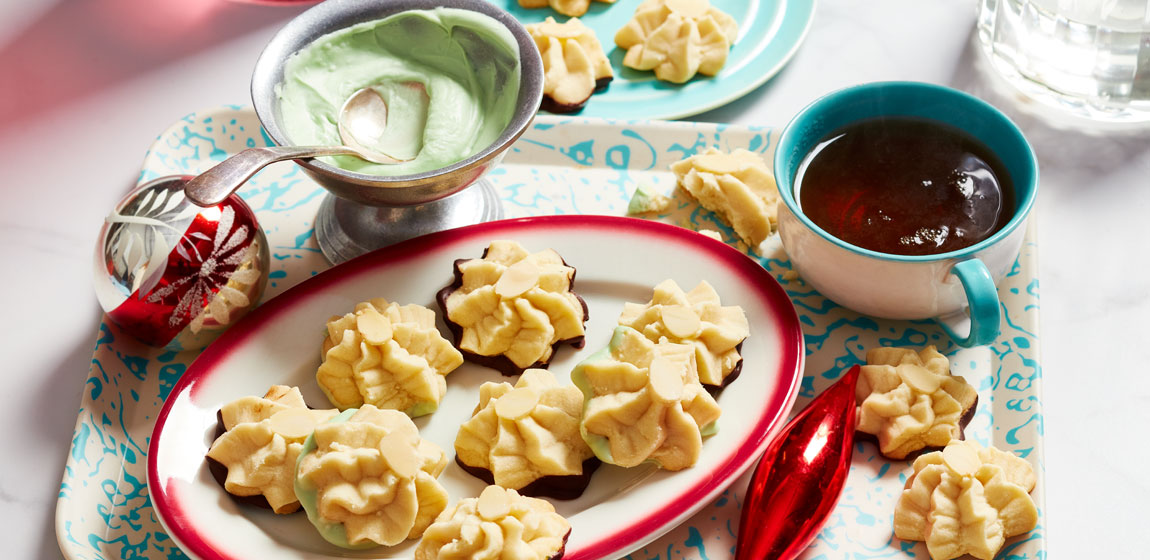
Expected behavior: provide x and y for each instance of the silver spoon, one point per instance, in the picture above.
(363, 116)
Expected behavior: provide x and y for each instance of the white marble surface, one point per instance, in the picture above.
(69, 68)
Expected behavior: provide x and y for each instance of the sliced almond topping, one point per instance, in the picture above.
(720, 163)
(689, 8)
(518, 278)
(919, 378)
(666, 379)
(277, 392)
(494, 503)
(517, 403)
(376, 328)
(680, 320)
(293, 423)
(399, 454)
(961, 458)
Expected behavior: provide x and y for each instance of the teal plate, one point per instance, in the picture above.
(770, 32)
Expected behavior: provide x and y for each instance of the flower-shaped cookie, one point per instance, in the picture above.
(386, 355)
(737, 186)
(498, 525)
(643, 402)
(909, 401)
(966, 499)
(696, 318)
(574, 65)
(527, 437)
(261, 440)
(566, 7)
(366, 478)
(510, 309)
(677, 38)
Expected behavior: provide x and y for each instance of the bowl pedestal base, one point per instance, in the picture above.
(345, 229)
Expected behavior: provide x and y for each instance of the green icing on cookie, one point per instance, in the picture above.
(421, 409)
(600, 445)
(334, 533)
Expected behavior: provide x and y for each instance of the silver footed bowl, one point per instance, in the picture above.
(401, 190)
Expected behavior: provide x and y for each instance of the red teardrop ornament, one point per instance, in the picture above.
(800, 477)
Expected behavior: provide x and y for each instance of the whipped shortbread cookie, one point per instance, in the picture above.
(386, 355)
(909, 400)
(259, 440)
(566, 7)
(366, 478)
(966, 499)
(510, 309)
(643, 402)
(677, 39)
(527, 437)
(498, 525)
(696, 318)
(574, 65)
(738, 186)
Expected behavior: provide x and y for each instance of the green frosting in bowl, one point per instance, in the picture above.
(467, 62)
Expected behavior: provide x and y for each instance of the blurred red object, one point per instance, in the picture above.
(279, 2)
(800, 477)
(74, 50)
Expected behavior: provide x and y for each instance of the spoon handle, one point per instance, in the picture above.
(214, 185)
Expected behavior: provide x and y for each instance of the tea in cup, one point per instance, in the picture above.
(905, 200)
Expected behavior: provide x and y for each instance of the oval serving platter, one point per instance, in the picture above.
(617, 260)
(770, 32)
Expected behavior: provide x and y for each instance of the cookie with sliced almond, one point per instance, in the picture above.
(699, 319)
(642, 402)
(366, 478)
(574, 64)
(498, 525)
(258, 440)
(526, 437)
(386, 355)
(909, 401)
(511, 309)
(966, 499)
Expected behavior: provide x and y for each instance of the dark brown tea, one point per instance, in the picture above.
(905, 186)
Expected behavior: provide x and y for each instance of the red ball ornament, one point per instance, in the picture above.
(174, 274)
(800, 477)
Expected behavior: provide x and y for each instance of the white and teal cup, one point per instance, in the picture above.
(957, 289)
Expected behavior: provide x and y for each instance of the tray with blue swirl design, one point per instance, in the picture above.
(560, 166)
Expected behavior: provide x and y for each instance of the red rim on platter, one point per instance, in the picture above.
(617, 259)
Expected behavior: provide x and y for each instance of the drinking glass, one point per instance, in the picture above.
(1087, 57)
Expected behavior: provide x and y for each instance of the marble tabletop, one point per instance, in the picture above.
(86, 86)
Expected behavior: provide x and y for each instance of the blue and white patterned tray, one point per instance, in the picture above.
(560, 166)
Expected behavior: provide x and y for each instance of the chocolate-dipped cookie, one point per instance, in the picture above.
(510, 310)
(696, 318)
(527, 438)
(258, 440)
(909, 402)
(574, 64)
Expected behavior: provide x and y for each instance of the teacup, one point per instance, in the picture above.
(957, 288)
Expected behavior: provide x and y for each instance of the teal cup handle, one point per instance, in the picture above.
(982, 301)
